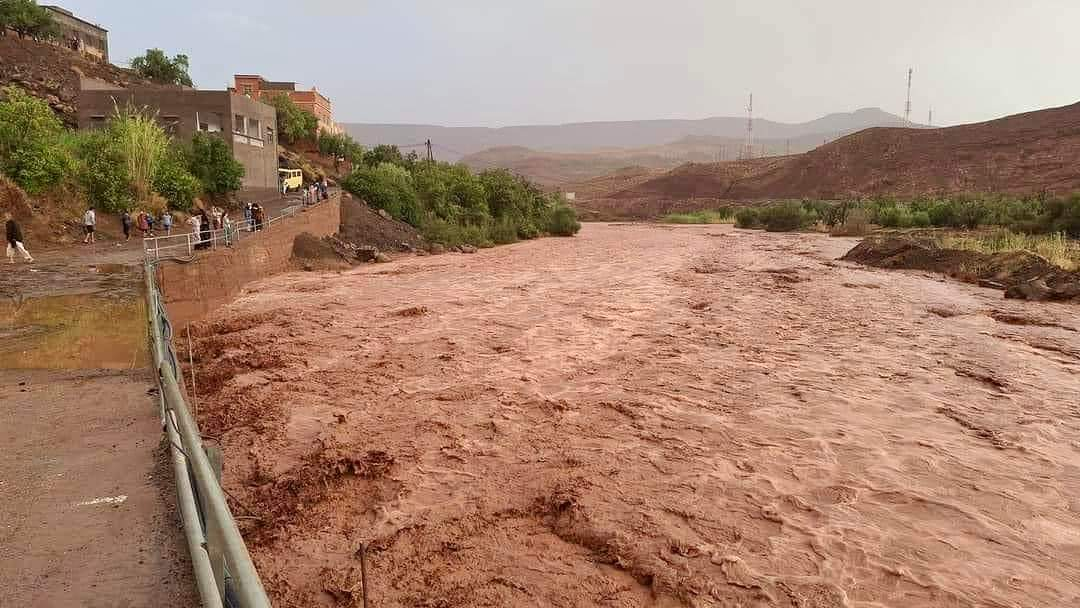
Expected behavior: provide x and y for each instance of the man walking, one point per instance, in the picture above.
(89, 223)
(14, 240)
(166, 222)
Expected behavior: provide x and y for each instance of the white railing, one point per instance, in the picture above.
(186, 244)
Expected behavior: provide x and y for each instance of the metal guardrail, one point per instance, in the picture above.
(186, 243)
(224, 573)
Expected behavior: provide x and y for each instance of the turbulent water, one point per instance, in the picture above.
(650, 416)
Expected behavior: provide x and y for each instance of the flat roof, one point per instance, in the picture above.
(67, 13)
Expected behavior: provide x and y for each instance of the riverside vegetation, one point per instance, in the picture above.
(450, 204)
(131, 161)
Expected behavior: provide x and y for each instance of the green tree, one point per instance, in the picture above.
(211, 161)
(27, 19)
(293, 123)
(101, 170)
(32, 153)
(157, 66)
(174, 182)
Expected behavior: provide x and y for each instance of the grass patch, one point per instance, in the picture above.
(1056, 248)
(705, 216)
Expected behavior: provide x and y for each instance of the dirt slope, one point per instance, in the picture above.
(54, 73)
(1021, 154)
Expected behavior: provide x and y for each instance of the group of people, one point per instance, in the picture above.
(203, 225)
(316, 191)
(254, 216)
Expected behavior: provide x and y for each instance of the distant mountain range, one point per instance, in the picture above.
(452, 143)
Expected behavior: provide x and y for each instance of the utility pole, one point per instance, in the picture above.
(750, 128)
(430, 156)
(907, 105)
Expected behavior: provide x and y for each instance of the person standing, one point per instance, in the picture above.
(14, 240)
(206, 228)
(247, 217)
(166, 222)
(140, 221)
(193, 221)
(89, 223)
(227, 228)
(125, 223)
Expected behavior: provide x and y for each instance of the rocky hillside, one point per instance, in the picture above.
(54, 73)
(1021, 154)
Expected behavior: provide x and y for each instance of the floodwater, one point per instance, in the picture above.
(649, 416)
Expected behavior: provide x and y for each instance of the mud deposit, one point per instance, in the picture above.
(650, 416)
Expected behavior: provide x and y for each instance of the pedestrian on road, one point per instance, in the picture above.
(125, 222)
(307, 195)
(142, 223)
(247, 217)
(193, 221)
(150, 224)
(227, 228)
(206, 228)
(14, 240)
(257, 216)
(89, 221)
(166, 222)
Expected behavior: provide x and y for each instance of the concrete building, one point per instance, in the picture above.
(89, 38)
(257, 87)
(247, 125)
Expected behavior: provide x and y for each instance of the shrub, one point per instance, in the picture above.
(156, 66)
(31, 142)
(101, 171)
(969, 214)
(564, 221)
(174, 182)
(895, 217)
(941, 214)
(1062, 215)
(856, 223)
(920, 219)
(142, 143)
(786, 217)
(293, 123)
(211, 161)
(722, 215)
(747, 217)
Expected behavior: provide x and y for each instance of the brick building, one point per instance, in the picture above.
(257, 87)
(247, 125)
(89, 38)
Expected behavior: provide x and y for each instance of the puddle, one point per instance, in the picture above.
(74, 332)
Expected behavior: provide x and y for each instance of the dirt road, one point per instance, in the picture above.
(650, 416)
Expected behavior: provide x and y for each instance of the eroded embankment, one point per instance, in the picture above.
(649, 416)
(1020, 274)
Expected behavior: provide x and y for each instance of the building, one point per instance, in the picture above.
(246, 124)
(88, 38)
(257, 87)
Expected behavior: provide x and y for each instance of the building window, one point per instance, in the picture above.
(239, 124)
(248, 90)
(253, 127)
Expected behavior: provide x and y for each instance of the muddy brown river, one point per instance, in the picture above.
(648, 415)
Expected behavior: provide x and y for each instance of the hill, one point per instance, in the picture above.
(1022, 154)
(455, 142)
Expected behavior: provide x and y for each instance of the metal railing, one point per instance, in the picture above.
(187, 243)
(224, 573)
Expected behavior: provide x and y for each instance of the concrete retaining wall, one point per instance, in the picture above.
(215, 278)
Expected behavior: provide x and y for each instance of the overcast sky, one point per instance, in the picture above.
(500, 62)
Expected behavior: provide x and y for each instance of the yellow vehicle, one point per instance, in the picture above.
(291, 179)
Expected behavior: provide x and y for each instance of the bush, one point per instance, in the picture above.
(1062, 215)
(32, 153)
(156, 66)
(895, 217)
(175, 183)
(920, 219)
(564, 221)
(101, 171)
(293, 123)
(722, 215)
(211, 161)
(856, 223)
(747, 217)
(786, 217)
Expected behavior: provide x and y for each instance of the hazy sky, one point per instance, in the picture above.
(499, 62)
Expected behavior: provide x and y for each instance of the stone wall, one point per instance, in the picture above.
(194, 290)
